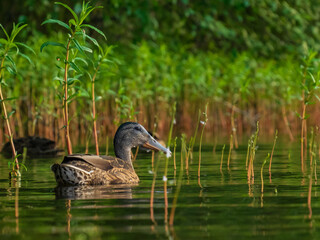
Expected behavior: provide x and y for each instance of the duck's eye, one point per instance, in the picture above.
(138, 129)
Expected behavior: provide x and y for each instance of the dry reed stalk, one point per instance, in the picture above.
(136, 154)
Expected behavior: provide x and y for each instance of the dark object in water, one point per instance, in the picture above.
(85, 169)
(36, 147)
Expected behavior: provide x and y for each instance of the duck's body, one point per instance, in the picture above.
(84, 169)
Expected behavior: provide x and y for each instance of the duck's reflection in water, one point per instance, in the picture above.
(117, 191)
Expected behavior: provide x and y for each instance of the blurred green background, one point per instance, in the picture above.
(265, 28)
(248, 59)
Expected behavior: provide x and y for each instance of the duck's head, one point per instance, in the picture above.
(131, 134)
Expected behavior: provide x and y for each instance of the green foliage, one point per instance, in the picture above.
(261, 27)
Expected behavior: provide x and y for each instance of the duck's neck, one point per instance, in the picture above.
(124, 153)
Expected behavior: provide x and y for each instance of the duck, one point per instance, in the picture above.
(88, 169)
(37, 147)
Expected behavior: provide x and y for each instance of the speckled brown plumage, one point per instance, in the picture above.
(84, 169)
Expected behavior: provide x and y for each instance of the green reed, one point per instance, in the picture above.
(9, 49)
(203, 123)
(76, 31)
(176, 194)
(310, 83)
(173, 115)
(144, 90)
(261, 171)
(274, 144)
(230, 150)
(221, 160)
(252, 153)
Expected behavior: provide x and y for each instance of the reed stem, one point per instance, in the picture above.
(204, 124)
(65, 103)
(4, 109)
(94, 111)
(176, 195)
(230, 150)
(224, 146)
(274, 144)
(261, 172)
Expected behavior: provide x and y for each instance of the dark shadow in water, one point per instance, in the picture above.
(119, 191)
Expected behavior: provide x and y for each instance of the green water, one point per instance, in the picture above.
(226, 207)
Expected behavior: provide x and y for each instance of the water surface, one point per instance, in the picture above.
(226, 207)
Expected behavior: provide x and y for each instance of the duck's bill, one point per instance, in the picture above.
(154, 145)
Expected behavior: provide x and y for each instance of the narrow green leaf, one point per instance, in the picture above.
(72, 81)
(75, 67)
(57, 44)
(94, 41)
(10, 70)
(3, 41)
(87, 49)
(11, 61)
(8, 99)
(26, 57)
(16, 30)
(95, 29)
(25, 46)
(58, 22)
(10, 113)
(70, 10)
(5, 32)
(71, 97)
(88, 10)
(81, 60)
(72, 22)
(78, 46)
(24, 166)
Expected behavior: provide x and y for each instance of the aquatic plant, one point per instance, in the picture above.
(165, 179)
(309, 86)
(9, 48)
(274, 144)
(252, 153)
(261, 171)
(76, 30)
(221, 160)
(176, 194)
(203, 123)
(230, 150)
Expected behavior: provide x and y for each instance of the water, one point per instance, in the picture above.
(226, 207)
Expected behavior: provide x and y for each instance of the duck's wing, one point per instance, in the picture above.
(105, 163)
